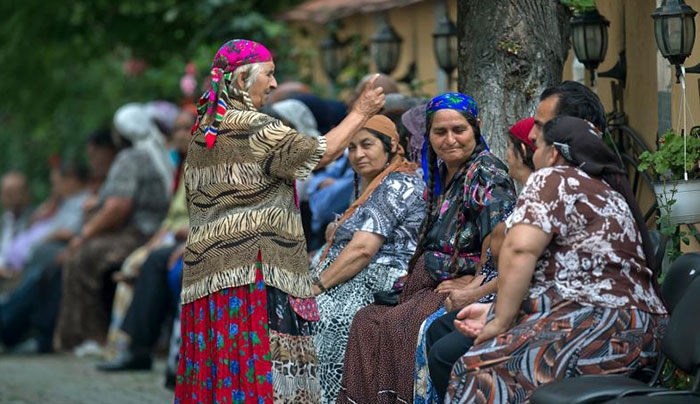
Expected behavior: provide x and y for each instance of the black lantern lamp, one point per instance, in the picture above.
(674, 30)
(386, 47)
(445, 46)
(589, 36)
(333, 56)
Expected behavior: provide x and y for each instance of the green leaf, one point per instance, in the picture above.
(579, 6)
(62, 65)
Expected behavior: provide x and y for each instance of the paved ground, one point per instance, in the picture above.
(65, 379)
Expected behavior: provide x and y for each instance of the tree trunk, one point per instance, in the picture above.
(509, 51)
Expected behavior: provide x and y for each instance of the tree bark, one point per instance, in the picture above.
(509, 51)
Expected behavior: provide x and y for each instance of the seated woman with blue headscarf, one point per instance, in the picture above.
(469, 192)
(440, 342)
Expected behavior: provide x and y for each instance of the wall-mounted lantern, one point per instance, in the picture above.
(386, 47)
(445, 46)
(589, 36)
(674, 30)
(333, 56)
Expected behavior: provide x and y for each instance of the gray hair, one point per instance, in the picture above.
(251, 71)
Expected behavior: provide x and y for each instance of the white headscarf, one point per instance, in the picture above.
(164, 113)
(133, 122)
(298, 114)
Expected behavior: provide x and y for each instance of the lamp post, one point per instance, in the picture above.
(674, 30)
(385, 47)
(333, 56)
(589, 36)
(445, 47)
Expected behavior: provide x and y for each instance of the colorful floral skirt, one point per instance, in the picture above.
(246, 345)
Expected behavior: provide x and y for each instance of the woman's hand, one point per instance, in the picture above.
(7, 273)
(75, 243)
(45, 210)
(454, 284)
(326, 183)
(493, 328)
(90, 204)
(460, 298)
(121, 276)
(371, 100)
(471, 319)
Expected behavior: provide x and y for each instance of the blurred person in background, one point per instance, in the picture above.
(131, 205)
(28, 316)
(122, 351)
(16, 200)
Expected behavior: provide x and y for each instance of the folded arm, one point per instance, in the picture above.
(354, 257)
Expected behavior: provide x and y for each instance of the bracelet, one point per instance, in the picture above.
(317, 281)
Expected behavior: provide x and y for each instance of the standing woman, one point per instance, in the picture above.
(245, 322)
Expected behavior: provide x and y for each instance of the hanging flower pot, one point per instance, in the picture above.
(678, 192)
(679, 201)
(676, 158)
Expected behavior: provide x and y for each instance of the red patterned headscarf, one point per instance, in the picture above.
(521, 130)
(233, 54)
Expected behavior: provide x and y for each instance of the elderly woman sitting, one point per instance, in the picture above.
(440, 343)
(576, 294)
(371, 244)
(469, 191)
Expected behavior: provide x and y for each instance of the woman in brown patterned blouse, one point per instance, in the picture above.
(576, 294)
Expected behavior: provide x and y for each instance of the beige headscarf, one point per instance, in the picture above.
(398, 163)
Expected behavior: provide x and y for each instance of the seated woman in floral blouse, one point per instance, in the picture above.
(576, 294)
(469, 192)
(440, 343)
(370, 245)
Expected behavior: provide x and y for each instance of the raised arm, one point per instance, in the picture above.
(370, 101)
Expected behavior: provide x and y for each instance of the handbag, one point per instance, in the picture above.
(387, 297)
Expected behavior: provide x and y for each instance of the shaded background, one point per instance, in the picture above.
(65, 67)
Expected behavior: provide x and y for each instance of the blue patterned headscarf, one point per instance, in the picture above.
(456, 101)
(464, 104)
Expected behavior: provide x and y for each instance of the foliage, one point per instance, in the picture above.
(356, 67)
(66, 67)
(579, 6)
(675, 157)
(676, 379)
(416, 88)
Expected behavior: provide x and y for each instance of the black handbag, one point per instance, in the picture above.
(387, 297)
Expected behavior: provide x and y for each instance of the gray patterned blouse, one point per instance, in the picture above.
(395, 210)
